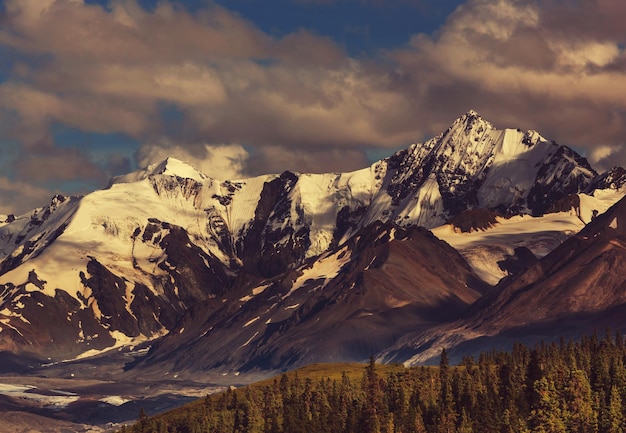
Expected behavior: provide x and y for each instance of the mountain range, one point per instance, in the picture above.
(476, 234)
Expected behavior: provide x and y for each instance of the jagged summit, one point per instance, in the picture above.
(475, 165)
(472, 116)
(614, 178)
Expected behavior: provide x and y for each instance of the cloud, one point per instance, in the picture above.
(111, 71)
(171, 79)
(20, 197)
(57, 165)
(128, 34)
(586, 19)
(114, 70)
(34, 110)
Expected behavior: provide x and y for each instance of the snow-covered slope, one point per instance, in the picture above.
(127, 263)
(485, 250)
(488, 250)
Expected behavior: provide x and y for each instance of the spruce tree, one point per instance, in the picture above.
(578, 397)
(371, 420)
(546, 416)
(447, 414)
(615, 421)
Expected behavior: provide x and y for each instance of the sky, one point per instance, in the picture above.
(90, 89)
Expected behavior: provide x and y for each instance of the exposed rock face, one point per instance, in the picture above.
(615, 178)
(344, 306)
(474, 219)
(583, 275)
(562, 174)
(476, 165)
(167, 245)
(258, 247)
(565, 204)
(521, 260)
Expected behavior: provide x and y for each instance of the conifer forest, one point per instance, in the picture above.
(557, 387)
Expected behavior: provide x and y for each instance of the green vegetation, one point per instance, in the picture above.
(568, 387)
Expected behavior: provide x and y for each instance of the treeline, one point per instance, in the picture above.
(566, 387)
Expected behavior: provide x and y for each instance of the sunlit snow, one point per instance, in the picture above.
(484, 248)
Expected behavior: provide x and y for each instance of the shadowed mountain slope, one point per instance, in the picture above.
(579, 287)
(386, 281)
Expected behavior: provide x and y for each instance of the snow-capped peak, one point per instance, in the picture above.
(175, 167)
(169, 167)
(471, 117)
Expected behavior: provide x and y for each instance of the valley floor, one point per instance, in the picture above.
(31, 404)
(88, 396)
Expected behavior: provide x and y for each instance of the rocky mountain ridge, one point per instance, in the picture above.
(580, 287)
(166, 250)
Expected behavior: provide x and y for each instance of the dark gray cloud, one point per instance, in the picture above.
(274, 159)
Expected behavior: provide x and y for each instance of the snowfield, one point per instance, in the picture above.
(483, 249)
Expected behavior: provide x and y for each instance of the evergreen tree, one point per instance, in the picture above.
(418, 423)
(615, 419)
(578, 387)
(582, 418)
(546, 416)
(447, 414)
(371, 420)
(466, 424)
